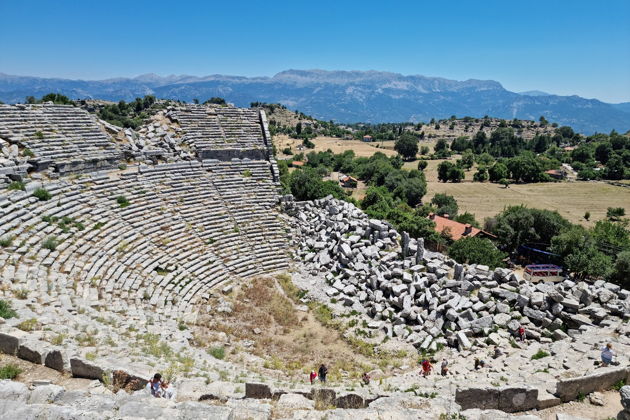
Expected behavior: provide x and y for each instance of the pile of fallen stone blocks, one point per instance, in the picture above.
(430, 300)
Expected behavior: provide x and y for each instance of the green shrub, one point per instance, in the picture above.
(50, 243)
(9, 371)
(17, 185)
(98, 225)
(28, 152)
(42, 194)
(617, 386)
(6, 241)
(28, 325)
(247, 173)
(217, 352)
(39, 135)
(122, 201)
(540, 354)
(6, 311)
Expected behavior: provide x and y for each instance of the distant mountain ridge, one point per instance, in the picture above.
(344, 96)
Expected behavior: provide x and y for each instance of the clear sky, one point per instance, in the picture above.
(562, 47)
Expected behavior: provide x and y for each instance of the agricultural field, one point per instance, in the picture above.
(571, 199)
(337, 145)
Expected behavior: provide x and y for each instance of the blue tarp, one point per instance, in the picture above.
(539, 251)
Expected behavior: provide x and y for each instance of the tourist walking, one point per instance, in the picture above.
(323, 371)
(444, 367)
(521, 333)
(607, 354)
(426, 367)
(312, 376)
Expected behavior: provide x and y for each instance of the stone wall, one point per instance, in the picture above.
(508, 399)
(568, 389)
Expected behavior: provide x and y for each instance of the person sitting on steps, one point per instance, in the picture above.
(167, 391)
(366, 378)
(155, 385)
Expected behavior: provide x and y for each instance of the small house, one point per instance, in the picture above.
(367, 139)
(456, 230)
(555, 173)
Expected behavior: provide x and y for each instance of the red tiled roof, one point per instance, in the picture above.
(455, 229)
(297, 163)
(554, 172)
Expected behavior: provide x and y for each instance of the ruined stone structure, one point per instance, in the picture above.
(161, 234)
(116, 236)
(63, 137)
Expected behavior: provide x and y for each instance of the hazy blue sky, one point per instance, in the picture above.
(562, 47)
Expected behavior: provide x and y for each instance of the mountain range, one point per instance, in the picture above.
(344, 96)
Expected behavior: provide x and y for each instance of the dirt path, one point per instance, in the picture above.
(31, 372)
(612, 406)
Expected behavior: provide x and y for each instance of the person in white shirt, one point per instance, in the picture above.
(607, 355)
(168, 391)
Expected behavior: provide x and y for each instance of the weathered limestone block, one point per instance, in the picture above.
(9, 344)
(350, 401)
(294, 402)
(82, 369)
(325, 395)
(32, 351)
(568, 389)
(512, 400)
(464, 343)
(546, 400)
(483, 398)
(258, 391)
(46, 394)
(13, 391)
(57, 360)
(625, 397)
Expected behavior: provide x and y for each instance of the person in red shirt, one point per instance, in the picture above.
(521, 333)
(426, 367)
(313, 376)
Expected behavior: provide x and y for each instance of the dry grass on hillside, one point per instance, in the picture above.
(335, 144)
(290, 339)
(570, 199)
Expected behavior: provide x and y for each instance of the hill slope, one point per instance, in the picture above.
(345, 96)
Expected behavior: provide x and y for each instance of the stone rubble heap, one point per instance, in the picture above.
(428, 299)
(159, 138)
